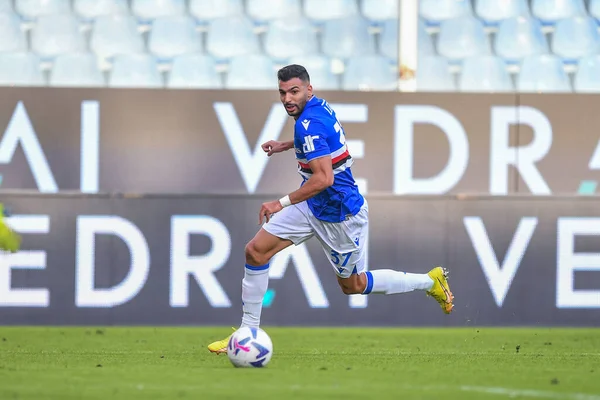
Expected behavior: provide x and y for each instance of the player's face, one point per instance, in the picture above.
(294, 94)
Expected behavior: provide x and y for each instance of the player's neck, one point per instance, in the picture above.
(309, 99)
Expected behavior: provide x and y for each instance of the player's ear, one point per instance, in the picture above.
(309, 89)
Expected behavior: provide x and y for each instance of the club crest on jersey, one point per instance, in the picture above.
(309, 143)
(305, 124)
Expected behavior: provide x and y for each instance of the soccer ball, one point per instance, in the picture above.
(249, 347)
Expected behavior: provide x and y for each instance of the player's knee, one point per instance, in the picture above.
(254, 256)
(351, 286)
(348, 290)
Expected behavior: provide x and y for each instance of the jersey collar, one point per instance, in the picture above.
(310, 103)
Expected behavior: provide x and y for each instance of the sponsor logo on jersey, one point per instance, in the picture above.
(309, 143)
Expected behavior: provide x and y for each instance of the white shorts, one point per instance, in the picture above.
(343, 242)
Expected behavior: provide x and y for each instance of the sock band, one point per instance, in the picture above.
(257, 268)
(369, 287)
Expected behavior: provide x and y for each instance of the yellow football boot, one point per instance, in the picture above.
(9, 240)
(441, 290)
(220, 346)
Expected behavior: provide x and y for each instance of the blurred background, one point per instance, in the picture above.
(130, 156)
(459, 45)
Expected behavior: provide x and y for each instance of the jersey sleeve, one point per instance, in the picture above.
(313, 137)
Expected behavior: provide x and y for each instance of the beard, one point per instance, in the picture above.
(293, 109)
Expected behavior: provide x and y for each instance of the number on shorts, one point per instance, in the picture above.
(335, 257)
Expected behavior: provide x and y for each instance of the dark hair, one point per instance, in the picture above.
(293, 71)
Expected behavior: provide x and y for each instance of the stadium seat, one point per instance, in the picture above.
(92, 9)
(462, 37)
(319, 10)
(319, 69)
(433, 75)
(518, 38)
(550, 11)
(543, 73)
(388, 40)
(135, 71)
(277, 38)
(346, 37)
(494, 11)
(147, 10)
(587, 77)
(575, 37)
(32, 9)
(379, 10)
(252, 71)
(76, 70)
(207, 10)
(116, 34)
(484, 74)
(231, 36)
(57, 34)
(594, 8)
(20, 69)
(12, 38)
(174, 35)
(369, 73)
(436, 11)
(6, 6)
(262, 11)
(388, 44)
(194, 71)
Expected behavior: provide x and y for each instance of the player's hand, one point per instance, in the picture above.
(269, 209)
(274, 146)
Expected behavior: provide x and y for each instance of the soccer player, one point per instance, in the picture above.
(10, 241)
(328, 206)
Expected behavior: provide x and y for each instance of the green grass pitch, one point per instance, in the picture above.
(308, 363)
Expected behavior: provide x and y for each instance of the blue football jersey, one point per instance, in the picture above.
(318, 133)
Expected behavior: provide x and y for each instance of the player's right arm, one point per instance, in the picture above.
(274, 146)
